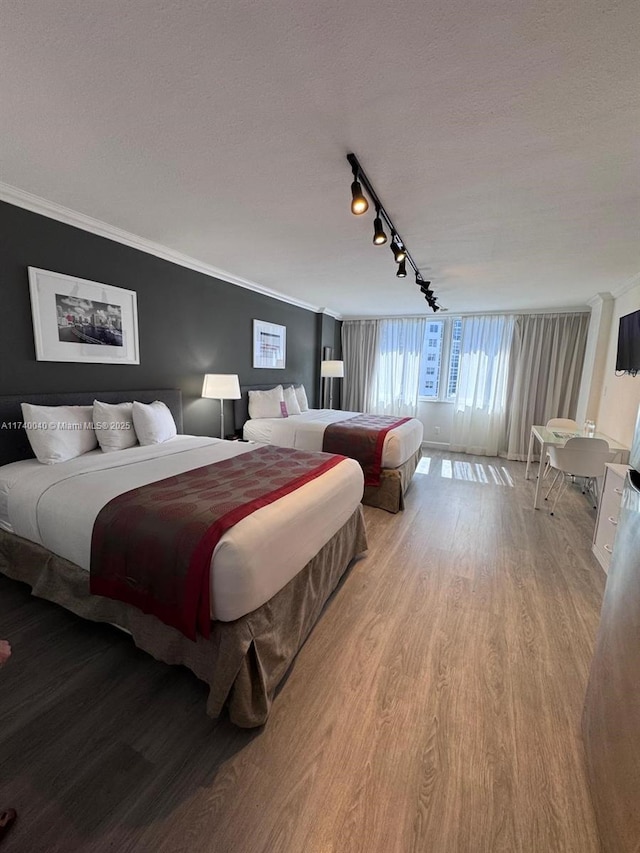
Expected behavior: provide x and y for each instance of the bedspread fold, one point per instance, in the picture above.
(151, 547)
(362, 438)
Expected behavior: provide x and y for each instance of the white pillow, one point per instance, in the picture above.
(267, 404)
(58, 433)
(301, 396)
(113, 423)
(153, 422)
(291, 401)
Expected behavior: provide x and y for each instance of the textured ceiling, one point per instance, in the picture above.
(502, 138)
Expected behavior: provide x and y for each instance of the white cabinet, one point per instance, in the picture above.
(608, 511)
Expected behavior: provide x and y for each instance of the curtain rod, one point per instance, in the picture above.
(580, 310)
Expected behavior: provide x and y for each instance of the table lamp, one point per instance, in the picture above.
(331, 370)
(221, 386)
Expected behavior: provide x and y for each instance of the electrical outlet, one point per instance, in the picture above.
(437, 430)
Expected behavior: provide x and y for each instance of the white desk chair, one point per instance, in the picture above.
(580, 457)
(562, 424)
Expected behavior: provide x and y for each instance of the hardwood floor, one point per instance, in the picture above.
(434, 709)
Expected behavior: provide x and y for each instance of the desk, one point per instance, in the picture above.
(552, 437)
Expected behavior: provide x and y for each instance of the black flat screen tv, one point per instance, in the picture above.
(628, 360)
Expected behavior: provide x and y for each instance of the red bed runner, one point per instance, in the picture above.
(151, 547)
(362, 439)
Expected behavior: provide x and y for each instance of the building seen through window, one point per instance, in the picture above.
(440, 363)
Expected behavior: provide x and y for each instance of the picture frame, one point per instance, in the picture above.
(269, 345)
(82, 321)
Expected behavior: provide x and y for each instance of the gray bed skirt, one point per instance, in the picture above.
(242, 661)
(394, 483)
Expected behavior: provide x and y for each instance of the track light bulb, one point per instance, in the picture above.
(359, 204)
(402, 269)
(399, 252)
(379, 237)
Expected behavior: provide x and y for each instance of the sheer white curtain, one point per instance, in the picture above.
(360, 355)
(394, 389)
(545, 373)
(480, 409)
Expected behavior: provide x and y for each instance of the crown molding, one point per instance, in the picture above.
(599, 299)
(330, 313)
(37, 204)
(632, 282)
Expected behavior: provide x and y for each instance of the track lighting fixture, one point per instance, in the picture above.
(379, 237)
(432, 302)
(359, 204)
(401, 254)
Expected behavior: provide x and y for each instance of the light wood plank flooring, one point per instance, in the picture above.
(434, 709)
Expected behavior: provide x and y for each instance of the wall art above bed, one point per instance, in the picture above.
(269, 345)
(79, 320)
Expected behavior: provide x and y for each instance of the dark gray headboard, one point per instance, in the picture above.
(14, 444)
(241, 406)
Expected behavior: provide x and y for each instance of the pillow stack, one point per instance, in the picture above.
(278, 402)
(59, 433)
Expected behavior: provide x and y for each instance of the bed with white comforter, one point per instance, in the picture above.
(306, 432)
(56, 506)
(401, 450)
(271, 574)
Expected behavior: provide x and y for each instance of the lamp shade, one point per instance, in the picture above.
(332, 369)
(221, 386)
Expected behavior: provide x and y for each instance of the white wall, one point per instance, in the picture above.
(595, 357)
(436, 419)
(620, 395)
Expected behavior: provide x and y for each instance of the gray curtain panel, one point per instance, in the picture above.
(545, 371)
(360, 352)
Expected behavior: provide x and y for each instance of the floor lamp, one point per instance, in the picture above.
(221, 386)
(331, 370)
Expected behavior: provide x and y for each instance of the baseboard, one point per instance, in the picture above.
(438, 445)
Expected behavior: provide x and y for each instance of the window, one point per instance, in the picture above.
(454, 357)
(431, 352)
(440, 364)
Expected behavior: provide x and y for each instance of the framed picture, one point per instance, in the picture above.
(269, 345)
(79, 320)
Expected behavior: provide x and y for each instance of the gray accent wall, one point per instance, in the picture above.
(329, 332)
(189, 323)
